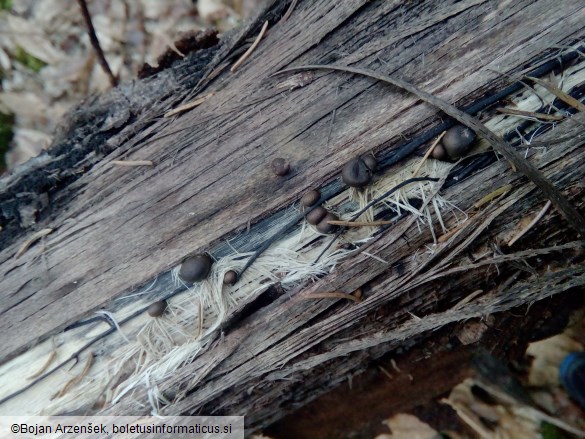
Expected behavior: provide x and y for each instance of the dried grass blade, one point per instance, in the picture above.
(567, 99)
(188, 105)
(427, 154)
(30, 241)
(248, 52)
(542, 116)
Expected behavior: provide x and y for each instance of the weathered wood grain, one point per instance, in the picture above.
(406, 378)
(284, 344)
(118, 228)
(122, 227)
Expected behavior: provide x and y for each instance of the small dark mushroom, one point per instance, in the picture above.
(310, 198)
(439, 152)
(280, 167)
(457, 141)
(157, 309)
(195, 268)
(370, 162)
(316, 215)
(356, 173)
(347, 246)
(230, 277)
(324, 226)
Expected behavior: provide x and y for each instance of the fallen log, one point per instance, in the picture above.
(273, 342)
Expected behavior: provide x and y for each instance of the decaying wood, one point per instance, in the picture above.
(569, 212)
(435, 367)
(115, 230)
(294, 357)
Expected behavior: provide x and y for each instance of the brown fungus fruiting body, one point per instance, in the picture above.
(439, 152)
(316, 215)
(310, 198)
(457, 141)
(157, 309)
(280, 167)
(324, 227)
(195, 268)
(370, 162)
(356, 173)
(230, 277)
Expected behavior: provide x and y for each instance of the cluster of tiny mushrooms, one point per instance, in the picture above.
(456, 142)
(357, 173)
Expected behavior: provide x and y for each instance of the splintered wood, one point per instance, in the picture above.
(559, 93)
(132, 163)
(531, 225)
(331, 295)
(565, 208)
(122, 235)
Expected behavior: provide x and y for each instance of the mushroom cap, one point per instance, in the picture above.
(356, 173)
(310, 198)
(195, 268)
(439, 152)
(316, 215)
(157, 309)
(230, 277)
(280, 166)
(370, 162)
(457, 141)
(324, 226)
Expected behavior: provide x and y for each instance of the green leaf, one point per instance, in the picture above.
(25, 58)
(549, 431)
(5, 5)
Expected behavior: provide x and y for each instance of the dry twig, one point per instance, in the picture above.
(427, 154)
(543, 116)
(95, 43)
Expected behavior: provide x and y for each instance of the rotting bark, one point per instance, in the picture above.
(115, 229)
(405, 378)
